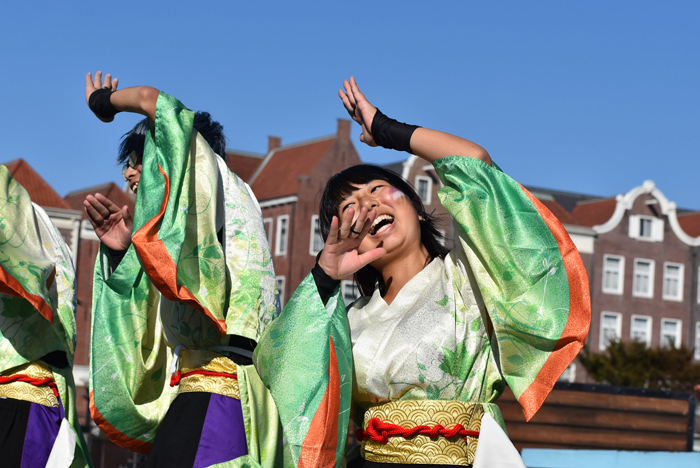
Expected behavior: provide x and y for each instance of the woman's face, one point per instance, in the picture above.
(396, 227)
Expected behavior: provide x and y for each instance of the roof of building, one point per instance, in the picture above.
(244, 164)
(110, 190)
(567, 200)
(690, 223)
(396, 167)
(39, 190)
(278, 175)
(594, 212)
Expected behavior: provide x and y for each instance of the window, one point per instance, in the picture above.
(350, 292)
(282, 235)
(610, 328)
(646, 228)
(442, 239)
(640, 330)
(316, 241)
(697, 341)
(267, 222)
(643, 282)
(670, 333)
(698, 285)
(673, 281)
(424, 187)
(280, 281)
(569, 374)
(613, 274)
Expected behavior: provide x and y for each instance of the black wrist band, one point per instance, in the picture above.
(391, 134)
(324, 283)
(100, 104)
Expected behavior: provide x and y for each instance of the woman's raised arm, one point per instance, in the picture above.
(430, 145)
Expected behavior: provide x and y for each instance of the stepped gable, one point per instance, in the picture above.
(278, 174)
(594, 212)
(110, 190)
(690, 223)
(243, 164)
(39, 190)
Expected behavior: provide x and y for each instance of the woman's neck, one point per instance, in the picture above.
(399, 272)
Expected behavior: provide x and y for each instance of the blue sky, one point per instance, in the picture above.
(592, 97)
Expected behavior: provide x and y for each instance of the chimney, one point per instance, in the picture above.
(343, 129)
(273, 142)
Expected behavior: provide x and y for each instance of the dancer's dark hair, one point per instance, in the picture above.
(342, 184)
(211, 130)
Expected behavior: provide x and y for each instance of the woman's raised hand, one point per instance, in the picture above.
(340, 257)
(359, 109)
(92, 85)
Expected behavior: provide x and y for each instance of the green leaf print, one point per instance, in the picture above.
(443, 302)
(156, 375)
(457, 363)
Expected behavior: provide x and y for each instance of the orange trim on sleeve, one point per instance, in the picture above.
(574, 335)
(113, 434)
(321, 439)
(159, 265)
(9, 285)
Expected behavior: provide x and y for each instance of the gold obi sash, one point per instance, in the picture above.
(32, 382)
(197, 373)
(440, 417)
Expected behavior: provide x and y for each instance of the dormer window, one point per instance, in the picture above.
(646, 228)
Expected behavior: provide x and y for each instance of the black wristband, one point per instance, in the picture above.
(391, 134)
(100, 104)
(324, 283)
(117, 256)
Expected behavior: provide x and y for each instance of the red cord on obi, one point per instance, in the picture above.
(31, 380)
(380, 431)
(177, 376)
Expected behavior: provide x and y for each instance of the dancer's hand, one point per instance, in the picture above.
(92, 85)
(341, 257)
(112, 225)
(359, 109)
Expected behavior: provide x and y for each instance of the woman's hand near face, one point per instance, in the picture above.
(359, 109)
(340, 257)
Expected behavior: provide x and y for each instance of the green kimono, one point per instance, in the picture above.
(37, 316)
(509, 305)
(179, 285)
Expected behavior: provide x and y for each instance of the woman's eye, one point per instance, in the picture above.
(376, 187)
(347, 206)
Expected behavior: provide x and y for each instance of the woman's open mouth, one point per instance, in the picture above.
(134, 186)
(381, 224)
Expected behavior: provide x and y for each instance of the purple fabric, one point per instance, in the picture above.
(223, 433)
(42, 429)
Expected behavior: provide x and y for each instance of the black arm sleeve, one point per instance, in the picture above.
(324, 283)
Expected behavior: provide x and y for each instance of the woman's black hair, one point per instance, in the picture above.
(342, 184)
(212, 131)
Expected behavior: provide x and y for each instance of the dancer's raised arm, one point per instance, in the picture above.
(379, 130)
(105, 101)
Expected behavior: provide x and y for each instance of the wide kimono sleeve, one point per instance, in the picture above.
(305, 359)
(199, 242)
(527, 270)
(37, 301)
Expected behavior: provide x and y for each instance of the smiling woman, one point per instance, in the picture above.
(437, 335)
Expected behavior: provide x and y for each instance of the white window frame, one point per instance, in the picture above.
(268, 232)
(569, 374)
(647, 331)
(677, 338)
(681, 274)
(656, 227)
(621, 274)
(348, 283)
(315, 220)
(280, 246)
(652, 266)
(429, 196)
(618, 328)
(443, 239)
(280, 280)
(697, 341)
(698, 285)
